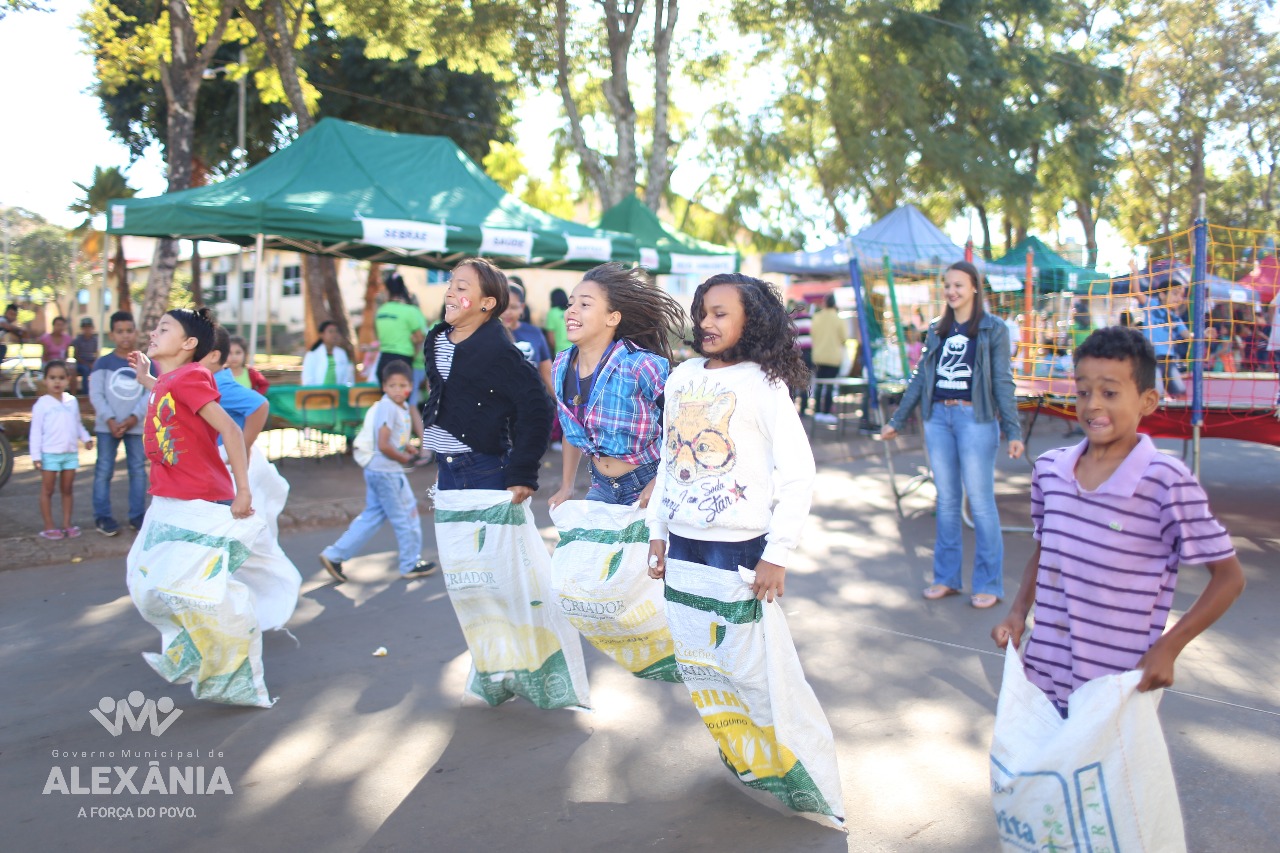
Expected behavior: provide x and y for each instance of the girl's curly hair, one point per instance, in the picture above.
(768, 335)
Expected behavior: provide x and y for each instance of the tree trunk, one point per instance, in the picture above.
(986, 230)
(372, 287)
(317, 310)
(197, 289)
(181, 80)
(659, 171)
(123, 301)
(1090, 228)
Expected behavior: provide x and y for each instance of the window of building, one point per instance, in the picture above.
(219, 291)
(246, 284)
(293, 280)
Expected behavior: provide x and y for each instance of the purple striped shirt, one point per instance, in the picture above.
(1109, 562)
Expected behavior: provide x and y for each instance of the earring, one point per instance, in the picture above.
(484, 310)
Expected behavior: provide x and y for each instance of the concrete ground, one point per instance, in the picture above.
(365, 753)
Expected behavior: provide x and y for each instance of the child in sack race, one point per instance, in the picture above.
(1113, 519)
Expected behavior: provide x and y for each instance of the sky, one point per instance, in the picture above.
(56, 132)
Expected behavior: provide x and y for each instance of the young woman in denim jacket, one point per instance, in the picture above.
(964, 386)
(609, 383)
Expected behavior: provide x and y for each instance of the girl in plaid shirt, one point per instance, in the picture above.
(609, 384)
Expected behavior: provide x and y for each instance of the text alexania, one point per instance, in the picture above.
(120, 780)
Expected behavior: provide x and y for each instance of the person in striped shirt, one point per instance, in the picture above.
(1113, 519)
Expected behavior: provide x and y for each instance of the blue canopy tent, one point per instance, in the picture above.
(904, 242)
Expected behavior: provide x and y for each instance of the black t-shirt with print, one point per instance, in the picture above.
(953, 379)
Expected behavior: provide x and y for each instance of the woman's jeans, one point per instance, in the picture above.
(620, 490)
(825, 396)
(962, 452)
(387, 497)
(717, 555)
(473, 470)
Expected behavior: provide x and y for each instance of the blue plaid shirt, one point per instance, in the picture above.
(623, 415)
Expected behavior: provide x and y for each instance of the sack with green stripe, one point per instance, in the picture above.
(740, 665)
(498, 574)
(600, 576)
(182, 578)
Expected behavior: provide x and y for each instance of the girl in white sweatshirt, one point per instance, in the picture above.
(56, 430)
(735, 477)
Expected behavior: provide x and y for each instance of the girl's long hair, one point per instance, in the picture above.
(969, 329)
(768, 335)
(320, 331)
(651, 319)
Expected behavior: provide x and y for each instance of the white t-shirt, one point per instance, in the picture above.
(396, 418)
(735, 460)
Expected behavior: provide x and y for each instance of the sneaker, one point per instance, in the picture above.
(107, 526)
(420, 570)
(136, 523)
(53, 534)
(71, 532)
(333, 567)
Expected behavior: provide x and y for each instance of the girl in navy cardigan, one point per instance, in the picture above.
(488, 416)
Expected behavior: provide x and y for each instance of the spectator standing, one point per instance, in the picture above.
(327, 363)
(85, 349)
(56, 431)
(556, 321)
(828, 333)
(119, 406)
(529, 340)
(802, 317)
(248, 377)
(400, 326)
(55, 343)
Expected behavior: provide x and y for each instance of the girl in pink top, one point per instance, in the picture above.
(55, 343)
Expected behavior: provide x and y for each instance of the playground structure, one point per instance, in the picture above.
(1205, 298)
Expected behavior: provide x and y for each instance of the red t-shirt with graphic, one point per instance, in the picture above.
(181, 445)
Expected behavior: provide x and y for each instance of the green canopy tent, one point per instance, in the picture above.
(662, 250)
(354, 192)
(1053, 273)
(351, 191)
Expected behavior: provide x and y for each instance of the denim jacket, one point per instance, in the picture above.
(992, 379)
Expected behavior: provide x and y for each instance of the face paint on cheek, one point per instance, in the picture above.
(465, 303)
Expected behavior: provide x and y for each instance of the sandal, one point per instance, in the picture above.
(983, 600)
(937, 590)
(52, 534)
(71, 532)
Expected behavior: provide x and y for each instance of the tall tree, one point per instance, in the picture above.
(107, 184)
(174, 46)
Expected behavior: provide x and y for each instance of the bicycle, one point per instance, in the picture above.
(26, 382)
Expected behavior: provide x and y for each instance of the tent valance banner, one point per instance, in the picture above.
(351, 191)
(664, 250)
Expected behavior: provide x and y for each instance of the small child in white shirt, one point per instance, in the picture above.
(56, 430)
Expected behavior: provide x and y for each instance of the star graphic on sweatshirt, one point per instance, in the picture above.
(740, 492)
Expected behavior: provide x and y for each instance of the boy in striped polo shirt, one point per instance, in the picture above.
(1114, 518)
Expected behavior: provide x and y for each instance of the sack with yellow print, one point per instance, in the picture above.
(182, 578)
(498, 574)
(601, 579)
(740, 665)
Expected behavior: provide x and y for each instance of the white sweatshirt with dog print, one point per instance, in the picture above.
(735, 460)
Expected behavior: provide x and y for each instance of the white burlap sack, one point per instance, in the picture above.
(600, 576)
(1098, 780)
(268, 571)
(498, 574)
(738, 660)
(183, 576)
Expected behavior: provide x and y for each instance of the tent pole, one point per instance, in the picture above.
(1199, 272)
(864, 328)
(1028, 315)
(258, 285)
(897, 318)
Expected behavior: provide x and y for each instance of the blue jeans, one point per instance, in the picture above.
(473, 470)
(620, 490)
(419, 376)
(962, 453)
(105, 468)
(387, 497)
(717, 555)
